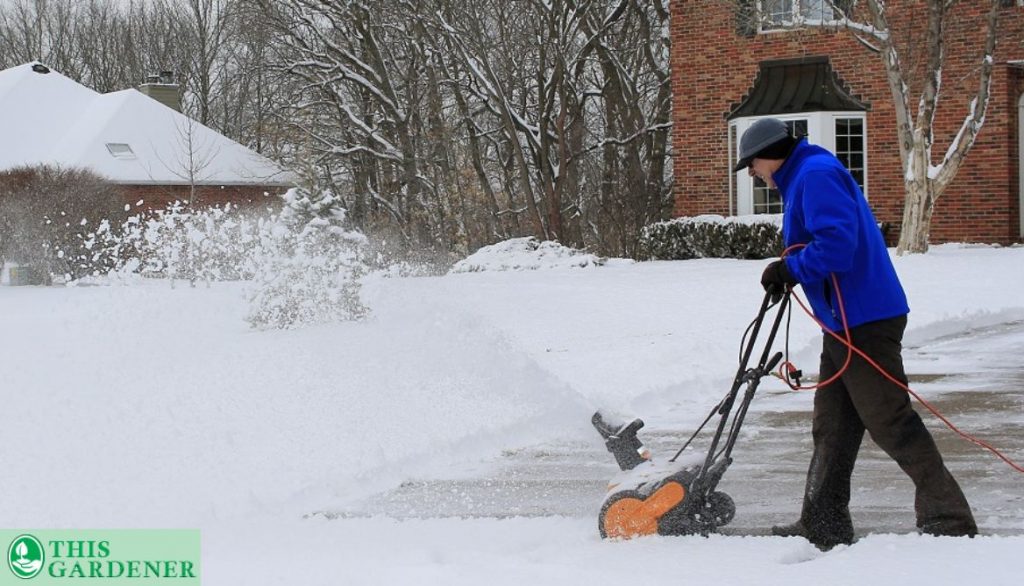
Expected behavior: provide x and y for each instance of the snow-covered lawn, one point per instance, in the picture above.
(144, 406)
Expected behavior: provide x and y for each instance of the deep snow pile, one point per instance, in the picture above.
(526, 253)
(144, 406)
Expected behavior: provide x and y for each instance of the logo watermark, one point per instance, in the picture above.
(105, 556)
(25, 556)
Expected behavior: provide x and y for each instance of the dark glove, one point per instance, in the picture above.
(776, 278)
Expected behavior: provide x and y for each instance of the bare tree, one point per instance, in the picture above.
(192, 159)
(251, 93)
(578, 95)
(364, 74)
(37, 30)
(49, 218)
(193, 156)
(207, 26)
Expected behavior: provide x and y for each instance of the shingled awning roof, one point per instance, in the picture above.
(789, 86)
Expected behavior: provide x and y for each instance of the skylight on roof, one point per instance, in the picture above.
(120, 150)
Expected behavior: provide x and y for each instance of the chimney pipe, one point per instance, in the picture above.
(162, 89)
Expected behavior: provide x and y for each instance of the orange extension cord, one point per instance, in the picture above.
(847, 341)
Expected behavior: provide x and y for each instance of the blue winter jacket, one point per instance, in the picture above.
(825, 209)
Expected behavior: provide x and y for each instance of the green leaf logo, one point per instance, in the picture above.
(25, 556)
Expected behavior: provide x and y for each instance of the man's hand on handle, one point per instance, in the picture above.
(776, 278)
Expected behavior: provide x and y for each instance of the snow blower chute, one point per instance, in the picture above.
(681, 497)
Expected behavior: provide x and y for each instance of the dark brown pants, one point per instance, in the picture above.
(863, 399)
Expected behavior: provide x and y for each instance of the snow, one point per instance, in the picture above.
(526, 253)
(648, 474)
(139, 405)
(749, 219)
(863, 28)
(57, 121)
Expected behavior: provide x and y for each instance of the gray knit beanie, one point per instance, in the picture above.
(761, 135)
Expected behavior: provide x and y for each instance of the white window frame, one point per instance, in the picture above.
(821, 130)
(1020, 159)
(775, 15)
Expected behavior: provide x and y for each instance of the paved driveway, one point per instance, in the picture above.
(982, 392)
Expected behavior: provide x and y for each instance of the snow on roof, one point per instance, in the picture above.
(126, 136)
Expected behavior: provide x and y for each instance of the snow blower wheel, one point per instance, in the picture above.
(679, 497)
(721, 508)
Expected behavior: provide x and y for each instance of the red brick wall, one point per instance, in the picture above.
(158, 196)
(713, 67)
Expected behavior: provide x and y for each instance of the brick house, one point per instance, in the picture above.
(135, 139)
(729, 69)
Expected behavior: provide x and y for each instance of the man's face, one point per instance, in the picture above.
(764, 168)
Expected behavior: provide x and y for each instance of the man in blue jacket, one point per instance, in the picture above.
(825, 211)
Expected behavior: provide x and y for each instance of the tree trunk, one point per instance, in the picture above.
(917, 217)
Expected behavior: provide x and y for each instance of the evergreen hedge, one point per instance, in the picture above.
(749, 237)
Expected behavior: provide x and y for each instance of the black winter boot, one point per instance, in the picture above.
(949, 527)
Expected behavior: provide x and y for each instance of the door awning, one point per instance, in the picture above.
(790, 86)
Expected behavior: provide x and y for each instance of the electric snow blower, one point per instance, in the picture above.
(680, 497)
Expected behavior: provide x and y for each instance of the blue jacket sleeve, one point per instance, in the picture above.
(831, 216)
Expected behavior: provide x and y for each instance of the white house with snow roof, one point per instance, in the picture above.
(155, 153)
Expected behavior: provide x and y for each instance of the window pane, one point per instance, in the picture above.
(766, 201)
(797, 128)
(858, 176)
(775, 13)
(850, 146)
(816, 9)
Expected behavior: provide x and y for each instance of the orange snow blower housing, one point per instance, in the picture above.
(680, 496)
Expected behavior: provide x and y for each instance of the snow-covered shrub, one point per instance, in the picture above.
(176, 243)
(526, 253)
(47, 214)
(309, 266)
(751, 237)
